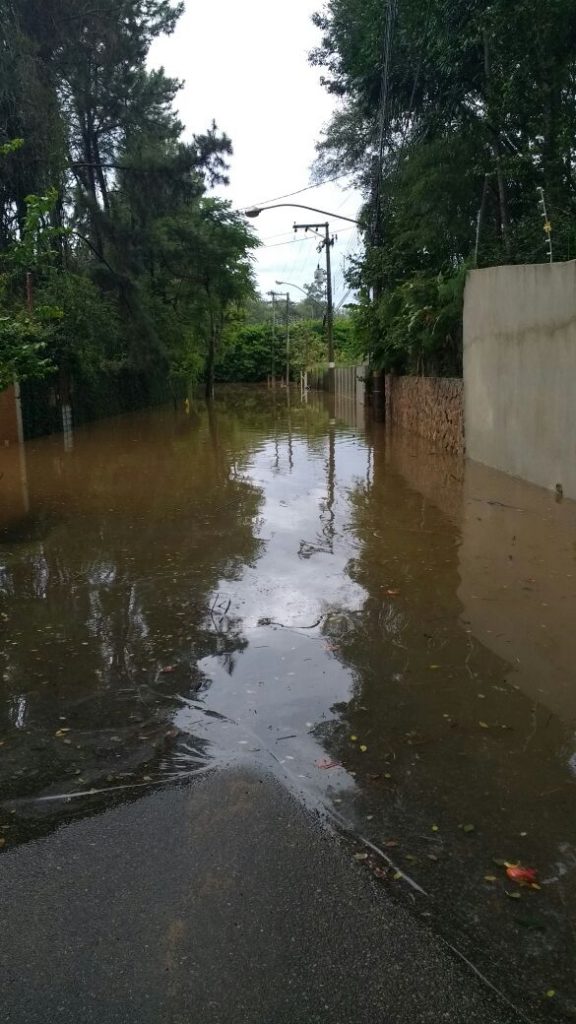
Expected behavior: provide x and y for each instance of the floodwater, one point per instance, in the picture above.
(388, 629)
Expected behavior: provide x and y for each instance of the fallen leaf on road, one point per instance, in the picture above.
(393, 593)
(2, 842)
(325, 764)
(169, 668)
(390, 843)
(434, 828)
(353, 739)
(363, 748)
(524, 876)
(551, 993)
(513, 895)
(490, 878)
(360, 856)
(483, 725)
(61, 732)
(468, 828)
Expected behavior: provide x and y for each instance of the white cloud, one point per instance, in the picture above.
(246, 66)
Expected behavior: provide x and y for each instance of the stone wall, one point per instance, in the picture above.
(431, 407)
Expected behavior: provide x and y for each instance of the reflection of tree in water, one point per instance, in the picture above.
(108, 616)
(450, 742)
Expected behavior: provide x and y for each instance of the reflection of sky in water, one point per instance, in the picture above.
(278, 693)
(284, 587)
(18, 712)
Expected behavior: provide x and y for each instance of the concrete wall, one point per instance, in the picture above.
(520, 371)
(431, 407)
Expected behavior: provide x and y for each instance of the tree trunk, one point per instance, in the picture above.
(210, 360)
(502, 200)
(494, 127)
(102, 184)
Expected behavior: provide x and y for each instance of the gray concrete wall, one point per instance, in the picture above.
(520, 371)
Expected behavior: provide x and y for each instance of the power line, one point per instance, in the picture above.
(294, 241)
(298, 192)
(280, 234)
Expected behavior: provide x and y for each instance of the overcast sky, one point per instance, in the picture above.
(245, 65)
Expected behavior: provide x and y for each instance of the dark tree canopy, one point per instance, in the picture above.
(133, 265)
(450, 129)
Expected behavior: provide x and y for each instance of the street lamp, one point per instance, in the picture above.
(327, 242)
(290, 285)
(255, 211)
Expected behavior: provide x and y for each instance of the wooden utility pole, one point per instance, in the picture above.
(287, 339)
(273, 296)
(326, 243)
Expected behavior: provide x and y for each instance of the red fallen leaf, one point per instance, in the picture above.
(327, 764)
(524, 876)
(393, 593)
(169, 668)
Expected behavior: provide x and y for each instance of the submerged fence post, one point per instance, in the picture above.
(379, 396)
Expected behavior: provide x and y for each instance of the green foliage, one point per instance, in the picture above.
(83, 331)
(479, 112)
(248, 354)
(253, 352)
(25, 351)
(416, 327)
(104, 205)
(11, 147)
(23, 348)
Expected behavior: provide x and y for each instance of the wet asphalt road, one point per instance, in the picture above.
(221, 902)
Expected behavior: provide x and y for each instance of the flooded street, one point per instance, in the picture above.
(386, 629)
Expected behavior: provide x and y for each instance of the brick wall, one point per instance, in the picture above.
(431, 407)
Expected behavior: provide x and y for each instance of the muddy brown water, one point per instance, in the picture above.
(390, 630)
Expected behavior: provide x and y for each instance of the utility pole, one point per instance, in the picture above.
(287, 339)
(326, 243)
(285, 295)
(273, 296)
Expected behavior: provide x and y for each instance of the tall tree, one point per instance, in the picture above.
(135, 241)
(452, 113)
